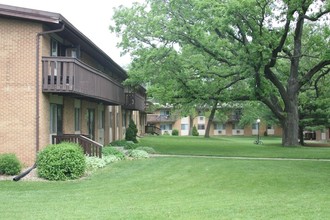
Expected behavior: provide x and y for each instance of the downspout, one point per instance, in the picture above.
(37, 83)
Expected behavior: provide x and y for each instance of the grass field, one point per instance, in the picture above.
(183, 188)
(232, 146)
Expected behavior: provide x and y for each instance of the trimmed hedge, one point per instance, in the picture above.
(62, 161)
(9, 164)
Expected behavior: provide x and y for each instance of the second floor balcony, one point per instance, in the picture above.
(70, 76)
(135, 101)
(152, 118)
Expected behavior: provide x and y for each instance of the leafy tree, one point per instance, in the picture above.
(232, 50)
(314, 111)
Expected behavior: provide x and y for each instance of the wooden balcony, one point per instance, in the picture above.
(70, 76)
(152, 118)
(135, 101)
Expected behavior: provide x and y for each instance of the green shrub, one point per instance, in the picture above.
(125, 144)
(106, 151)
(131, 132)
(138, 154)
(149, 150)
(9, 164)
(175, 132)
(110, 159)
(93, 163)
(194, 131)
(61, 162)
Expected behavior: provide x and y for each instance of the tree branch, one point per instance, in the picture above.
(313, 71)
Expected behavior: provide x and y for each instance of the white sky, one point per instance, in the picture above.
(92, 18)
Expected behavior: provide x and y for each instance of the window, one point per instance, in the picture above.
(218, 126)
(166, 126)
(269, 126)
(56, 118)
(164, 112)
(201, 126)
(254, 126)
(77, 119)
(201, 118)
(237, 126)
(184, 127)
(54, 46)
(101, 119)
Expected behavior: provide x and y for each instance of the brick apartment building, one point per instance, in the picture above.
(167, 121)
(164, 121)
(55, 81)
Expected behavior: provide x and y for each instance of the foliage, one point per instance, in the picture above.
(149, 150)
(125, 144)
(194, 131)
(137, 154)
(111, 159)
(131, 132)
(207, 52)
(93, 163)
(107, 150)
(175, 132)
(62, 161)
(9, 164)
(253, 110)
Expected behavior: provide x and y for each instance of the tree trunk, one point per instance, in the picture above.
(191, 122)
(208, 127)
(290, 124)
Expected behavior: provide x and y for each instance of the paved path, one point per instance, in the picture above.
(238, 158)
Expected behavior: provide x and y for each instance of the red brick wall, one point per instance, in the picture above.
(17, 88)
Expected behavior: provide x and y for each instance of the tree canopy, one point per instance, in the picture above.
(216, 51)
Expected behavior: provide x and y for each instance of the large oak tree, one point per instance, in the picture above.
(275, 48)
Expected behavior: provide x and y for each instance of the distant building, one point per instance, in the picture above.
(163, 119)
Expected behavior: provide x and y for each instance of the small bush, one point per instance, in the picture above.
(125, 144)
(110, 159)
(138, 154)
(61, 162)
(131, 132)
(194, 131)
(106, 151)
(175, 132)
(9, 164)
(93, 163)
(149, 150)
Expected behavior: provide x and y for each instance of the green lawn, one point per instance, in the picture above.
(181, 188)
(232, 147)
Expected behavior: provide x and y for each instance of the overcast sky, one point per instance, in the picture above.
(92, 18)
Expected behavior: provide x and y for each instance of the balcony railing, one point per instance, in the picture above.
(161, 118)
(135, 101)
(69, 75)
